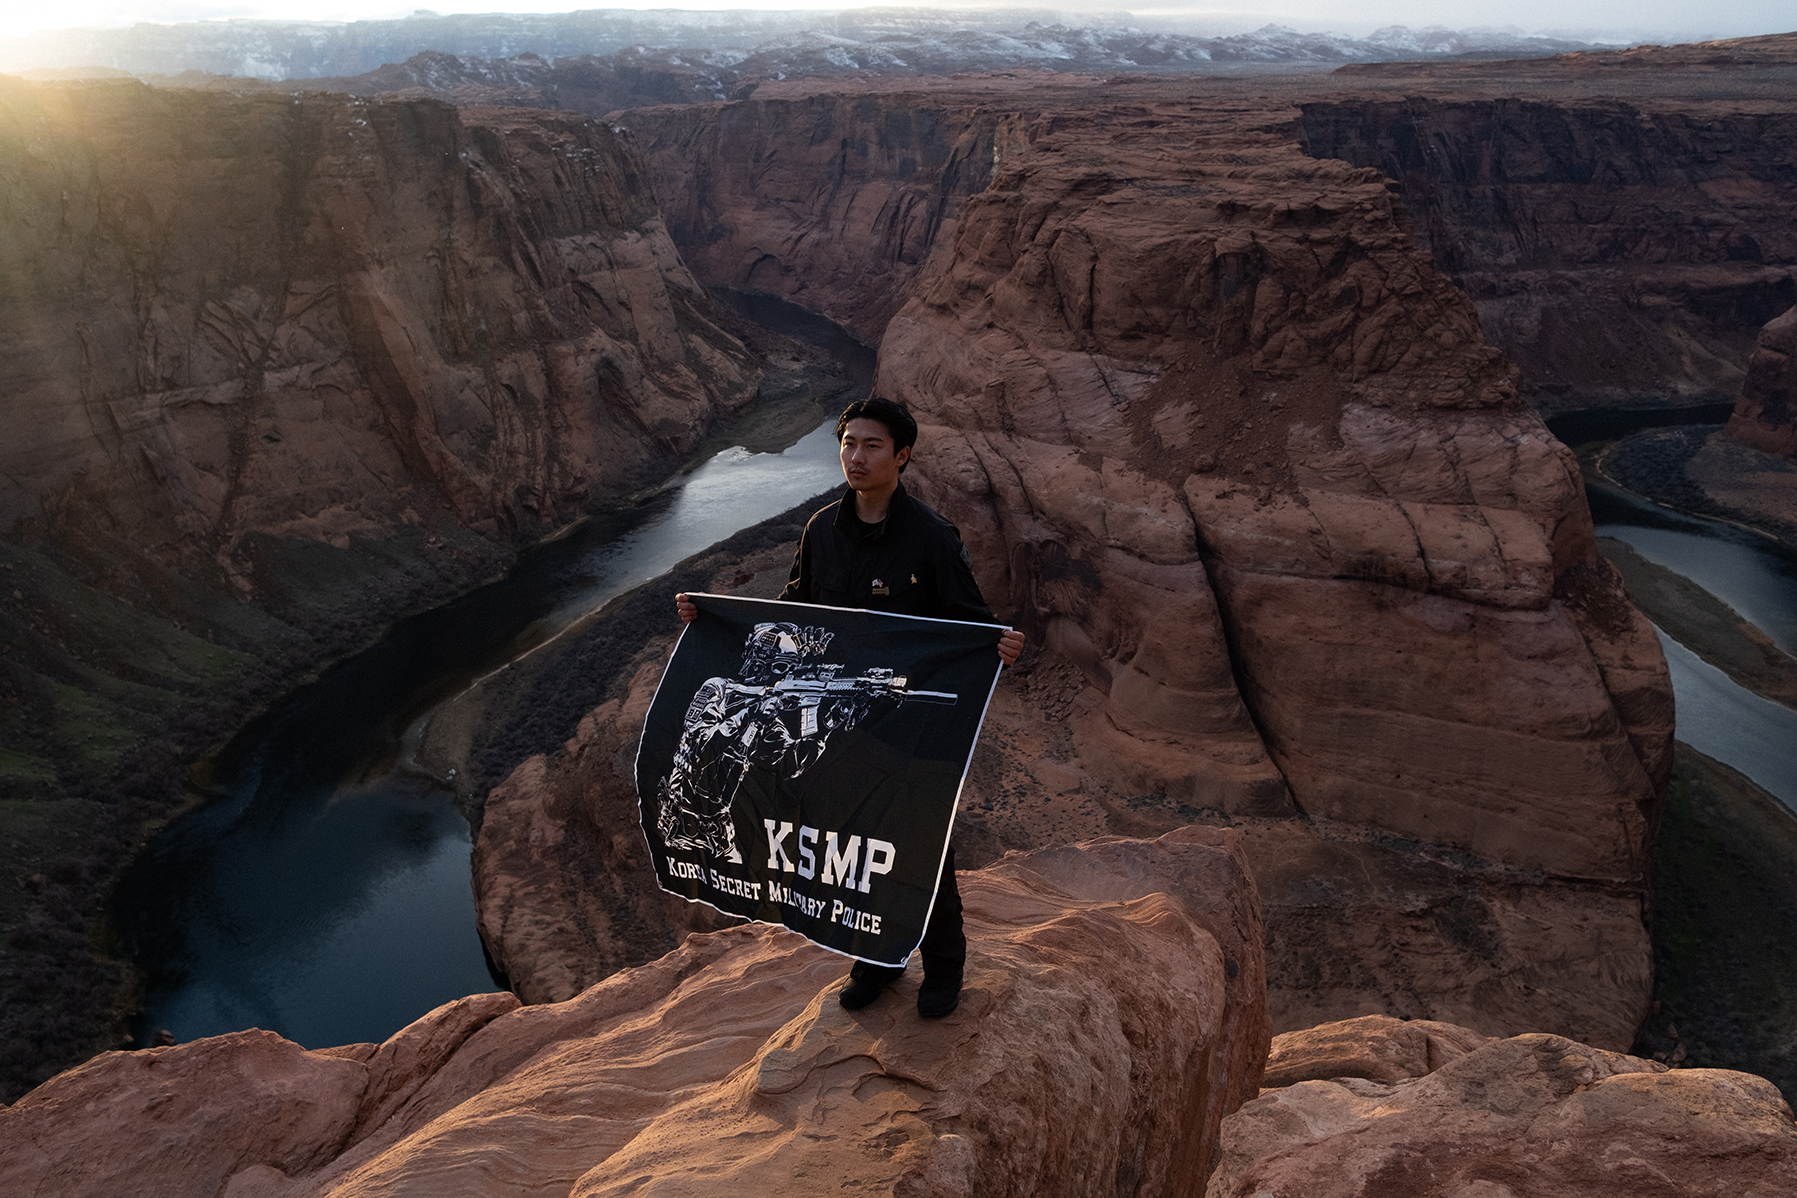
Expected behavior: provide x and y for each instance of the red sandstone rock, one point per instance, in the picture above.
(1765, 417)
(180, 1121)
(247, 1108)
(1195, 380)
(1432, 1111)
(564, 891)
(833, 202)
(1106, 1028)
(326, 317)
(1358, 926)
(1619, 242)
(1375, 1047)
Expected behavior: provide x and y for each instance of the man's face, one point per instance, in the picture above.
(868, 460)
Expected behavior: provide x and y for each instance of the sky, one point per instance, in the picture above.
(1606, 20)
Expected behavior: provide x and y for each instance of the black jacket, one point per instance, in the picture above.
(913, 563)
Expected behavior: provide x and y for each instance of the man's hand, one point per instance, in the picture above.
(689, 611)
(1010, 644)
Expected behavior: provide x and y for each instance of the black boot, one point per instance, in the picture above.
(938, 997)
(866, 983)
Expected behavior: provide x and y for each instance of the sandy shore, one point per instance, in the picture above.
(1705, 625)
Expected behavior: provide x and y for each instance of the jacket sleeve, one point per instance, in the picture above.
(957, 592)
(798, 587)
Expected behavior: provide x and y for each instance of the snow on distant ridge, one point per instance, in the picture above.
(920, 40)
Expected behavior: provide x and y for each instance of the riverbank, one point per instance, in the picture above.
(1704, 624)
(1699, 470)
(1724, 926)
(536, 703)
(1724, 891)
(326, 801)
(109, 711)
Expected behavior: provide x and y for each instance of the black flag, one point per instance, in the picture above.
(800, 765)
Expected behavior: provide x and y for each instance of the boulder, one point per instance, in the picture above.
(1377, 1048)
(236, 1114)
(1438, 1110)
(1113, 1014)
(180, 1121)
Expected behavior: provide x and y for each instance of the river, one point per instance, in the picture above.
(1758, 578)
(322, 891)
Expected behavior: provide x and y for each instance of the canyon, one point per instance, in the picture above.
(1233, 452)
(264, 354)
(277, 370)
(1234, 388)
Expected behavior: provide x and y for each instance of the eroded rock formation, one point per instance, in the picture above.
(1379, 1107)
(1619, 219)
(832, 201)
(273, 371)
(325, 317)
(1249, 463)
(1242, 461)
(1114, 1013)
(1765, 416)
(1745, 472)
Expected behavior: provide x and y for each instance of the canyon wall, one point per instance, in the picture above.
(267, 348)
(316, 317)
(274, 370)
(1249, 462)
(1765, 416)
(1621, 251)
(831, 201)
(1228, 443)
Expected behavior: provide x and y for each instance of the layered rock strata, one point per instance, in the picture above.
(1379, 1107)
(1121, 981)
(321, 317)
(1765, 416)
(273, 371)
(831, 201)
(1248, 461)
(1746, 472)
(1252, 467)
(1620, 220)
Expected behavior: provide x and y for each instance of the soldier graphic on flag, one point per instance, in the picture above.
(777, 714)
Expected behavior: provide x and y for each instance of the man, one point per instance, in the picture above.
(878, 548)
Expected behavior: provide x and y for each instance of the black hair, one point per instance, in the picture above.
(901, 426)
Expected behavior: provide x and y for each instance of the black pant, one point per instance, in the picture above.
(944, 946)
